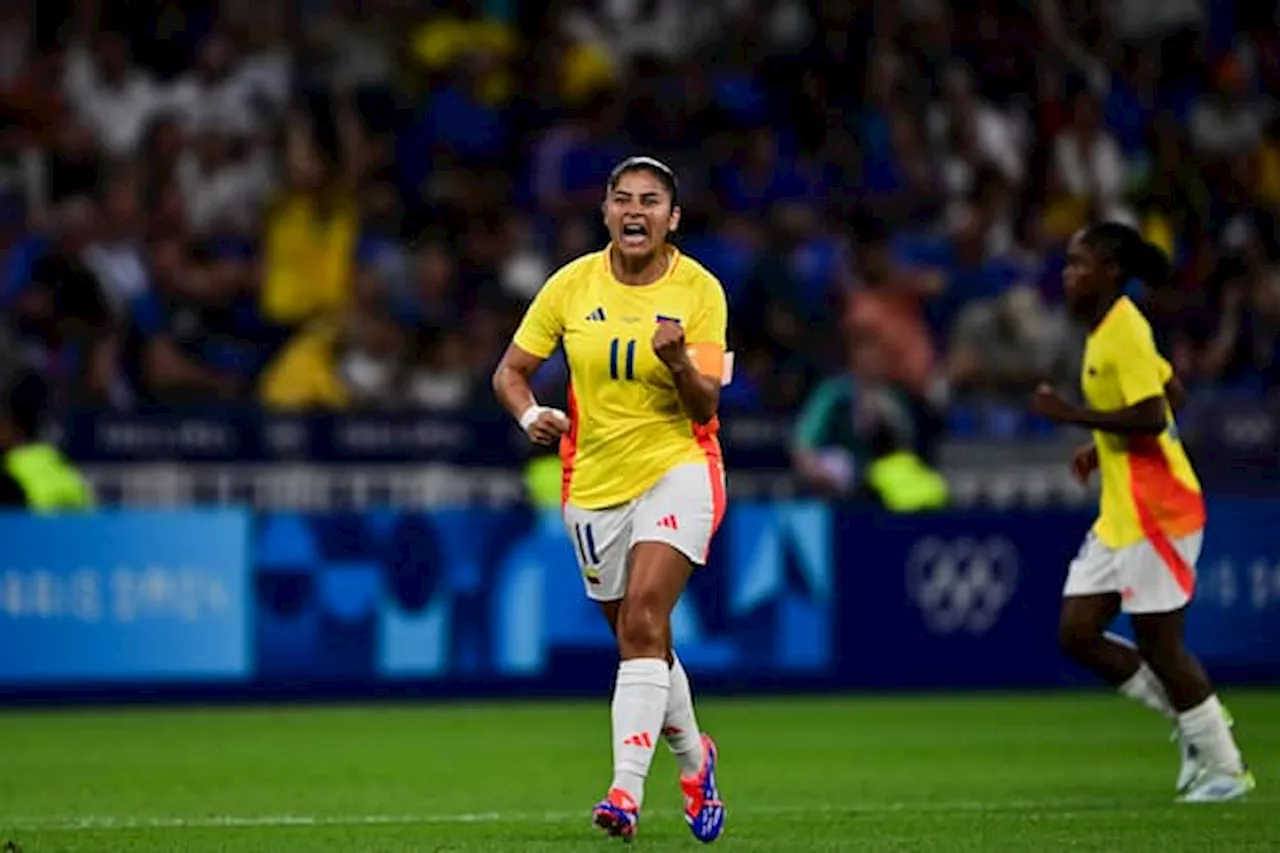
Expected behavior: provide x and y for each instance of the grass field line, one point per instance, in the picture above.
(1045, 808)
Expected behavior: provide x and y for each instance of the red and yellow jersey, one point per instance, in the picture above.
(1149, 489)
(627, 425)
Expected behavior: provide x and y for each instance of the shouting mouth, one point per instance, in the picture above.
(634, 235)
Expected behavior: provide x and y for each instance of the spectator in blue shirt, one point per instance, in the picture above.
(196, 336)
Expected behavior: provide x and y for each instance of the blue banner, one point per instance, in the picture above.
(1234, 624)
(955, 599)
(483, 596)
(796, 594)
(127, 597)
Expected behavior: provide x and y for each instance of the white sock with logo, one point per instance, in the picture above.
(1144, 686)
(639, 705)
(680, 725)
(1205, 726)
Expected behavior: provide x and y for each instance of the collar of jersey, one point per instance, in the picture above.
(666, 276)
(1106, 318)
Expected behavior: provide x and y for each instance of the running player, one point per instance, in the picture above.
(644, 489)
(1140, 555)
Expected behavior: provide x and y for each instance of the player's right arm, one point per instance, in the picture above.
(537, 337)
(1140, 375)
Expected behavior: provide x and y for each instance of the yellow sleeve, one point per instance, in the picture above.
(1139, 369)
(542, 326)
(707, 331)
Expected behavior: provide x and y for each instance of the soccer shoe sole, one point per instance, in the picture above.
(1221, 789)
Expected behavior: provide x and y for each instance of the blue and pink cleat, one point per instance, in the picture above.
(617, 814)
(703, 808)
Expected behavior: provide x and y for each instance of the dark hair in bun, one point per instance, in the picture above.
(1134, 256)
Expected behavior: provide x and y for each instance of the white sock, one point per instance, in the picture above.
(1144, 686)
(639, 703)
(680, 725)
(1205, 726)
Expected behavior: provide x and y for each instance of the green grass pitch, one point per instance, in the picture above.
(975, 773)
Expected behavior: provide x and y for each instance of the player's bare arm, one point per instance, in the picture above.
(699, 392)
(1085, 459)
(1145, 417)
(511, 386)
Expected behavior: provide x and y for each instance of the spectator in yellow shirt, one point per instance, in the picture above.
(313, 227)
(331, 365)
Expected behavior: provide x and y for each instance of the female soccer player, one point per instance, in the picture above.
(644, 490)
(1140, 555)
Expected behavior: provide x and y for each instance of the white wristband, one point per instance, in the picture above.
(530, 415)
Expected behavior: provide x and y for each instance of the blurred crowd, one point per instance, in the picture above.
(328, 204)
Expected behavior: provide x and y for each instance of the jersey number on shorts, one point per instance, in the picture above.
(586, 544)
(629, 367)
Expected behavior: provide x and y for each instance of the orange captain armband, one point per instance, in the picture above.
(712, 360)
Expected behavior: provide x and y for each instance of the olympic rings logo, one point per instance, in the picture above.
(961, 584)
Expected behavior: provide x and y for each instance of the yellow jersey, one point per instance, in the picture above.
(1149, 489)
(627, 425)
(309, 257)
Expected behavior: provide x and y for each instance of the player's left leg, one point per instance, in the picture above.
(675, 522)
(1161, 577)
(1202, 721)
(1092, 598)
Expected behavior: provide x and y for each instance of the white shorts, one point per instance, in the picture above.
(683, 509)
(1150, 577)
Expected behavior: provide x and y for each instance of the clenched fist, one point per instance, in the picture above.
(1048, 403)
(668, 344)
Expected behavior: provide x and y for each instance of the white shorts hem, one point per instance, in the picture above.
(683, 550)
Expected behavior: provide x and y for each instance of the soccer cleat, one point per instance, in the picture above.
(1214, 786)
(1192, 766)
(703, 809)
(617, 814)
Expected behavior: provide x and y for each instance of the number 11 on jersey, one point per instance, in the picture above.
(629, 369)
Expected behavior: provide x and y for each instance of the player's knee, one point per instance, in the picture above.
(642, 629)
